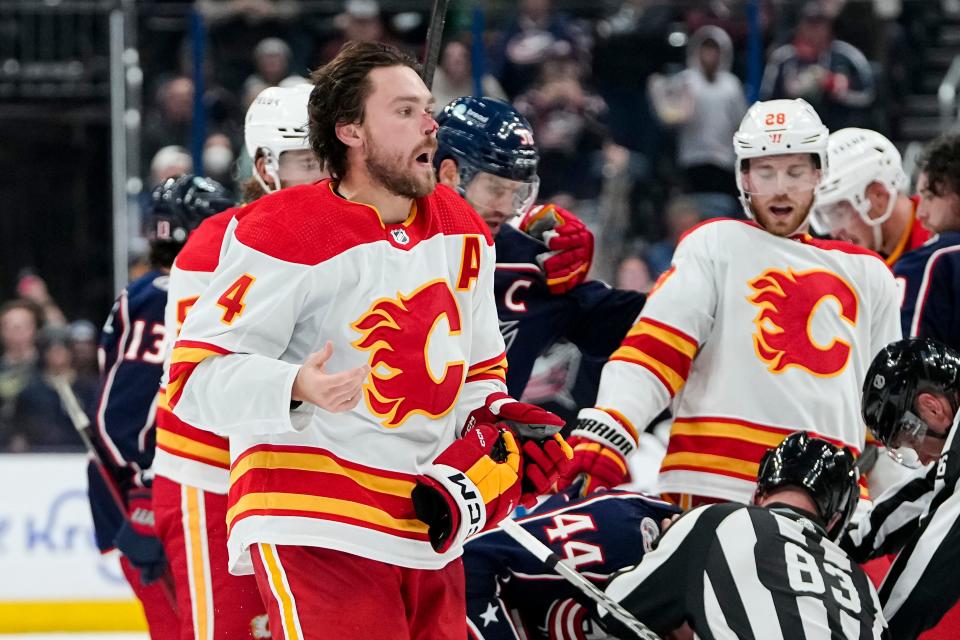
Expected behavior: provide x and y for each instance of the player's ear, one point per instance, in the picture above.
(260, 166)
(448, 174)
(349, 134)
(878, 195)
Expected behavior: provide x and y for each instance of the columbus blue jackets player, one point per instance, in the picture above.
(131, 357)
(930, 274)
(486, 150)
(511, 594)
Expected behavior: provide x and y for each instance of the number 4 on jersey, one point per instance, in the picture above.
(232, 299)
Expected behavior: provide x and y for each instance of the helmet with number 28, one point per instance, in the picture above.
(779, 128)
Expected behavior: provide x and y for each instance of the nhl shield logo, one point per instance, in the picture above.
(400, 236)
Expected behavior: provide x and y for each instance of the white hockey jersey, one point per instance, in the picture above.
(413, 300)
(186, 454)
(751, 336)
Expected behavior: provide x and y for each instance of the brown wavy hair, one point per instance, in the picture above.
(340, 89)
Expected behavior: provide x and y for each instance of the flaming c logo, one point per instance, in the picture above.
(397, 333)
(788, 302)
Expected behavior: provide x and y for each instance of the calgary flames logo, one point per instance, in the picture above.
(397, 334)
(788, 302)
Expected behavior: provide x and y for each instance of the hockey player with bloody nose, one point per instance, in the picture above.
(348, 345)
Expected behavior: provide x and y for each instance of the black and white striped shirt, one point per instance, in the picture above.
(737, 571)
(919, 519)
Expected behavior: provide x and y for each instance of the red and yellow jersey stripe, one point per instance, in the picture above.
(493, 369)
(727, 446)
(187, 354)
(308, 482)
(664, 351)
(180, 439)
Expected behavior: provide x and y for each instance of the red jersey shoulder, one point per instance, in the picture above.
(307, 224)
(452, 215)
(842, 246)
(714, 221)
(202, 250)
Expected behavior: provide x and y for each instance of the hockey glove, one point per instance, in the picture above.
(527, 420)
(544, 462)
(601, 444)
(136, 538)
(546, 454)
(570, 243)
(471, 486)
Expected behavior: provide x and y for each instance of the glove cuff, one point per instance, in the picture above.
(468, 511)
(601, 427)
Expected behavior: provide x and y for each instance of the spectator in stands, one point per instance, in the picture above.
(535, 34)
(169, 162)
(682, 214)
(20, 321)
(360, 22)
(567, 125)
(234, 25)
(832, 75)
(454, 77)
(633, 274)
(218, 158)
(32, 287)
(631, 44)
(170, 121)
(706, 104)
(83, 344)
(271, 57)
(40, 420)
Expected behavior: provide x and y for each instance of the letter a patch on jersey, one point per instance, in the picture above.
(789, 301)
(469, 263)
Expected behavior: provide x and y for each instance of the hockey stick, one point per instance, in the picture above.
(545, 555)
(107, 471)
(434, 38)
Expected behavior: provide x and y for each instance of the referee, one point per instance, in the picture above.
(768, 571)
(910, 397)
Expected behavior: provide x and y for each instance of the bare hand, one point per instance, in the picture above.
(334, 392)
(666, 522)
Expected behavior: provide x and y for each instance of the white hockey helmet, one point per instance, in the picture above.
(778, 127)
(276, 122)
(858, 157)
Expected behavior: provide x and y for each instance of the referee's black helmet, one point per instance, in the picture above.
(825, 471)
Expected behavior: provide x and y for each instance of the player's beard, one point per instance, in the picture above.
(392, 172)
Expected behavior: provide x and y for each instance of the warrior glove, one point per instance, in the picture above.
(601, 444)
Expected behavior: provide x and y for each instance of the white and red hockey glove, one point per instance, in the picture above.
(601, 444)
(547, 456)
(570, 245)
(471, 486)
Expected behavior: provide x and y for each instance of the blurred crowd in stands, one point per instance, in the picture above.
(633, 103)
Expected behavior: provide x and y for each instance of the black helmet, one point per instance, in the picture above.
(827, 472)
(180, 204)
(484, 134)
(897, 374)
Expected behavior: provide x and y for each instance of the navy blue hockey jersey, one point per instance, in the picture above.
(929, 277)
(131, 362)
(592, 316)
(511, 594)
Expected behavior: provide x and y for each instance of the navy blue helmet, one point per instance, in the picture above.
(179, 205)
(827, 472)
(484, 134)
